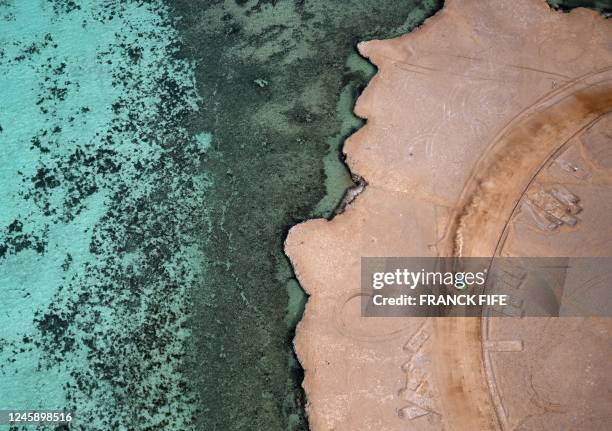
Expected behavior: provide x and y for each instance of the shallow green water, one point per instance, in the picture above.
(283, 76)
(152, 157)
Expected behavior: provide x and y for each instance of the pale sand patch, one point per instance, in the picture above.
(467, 114)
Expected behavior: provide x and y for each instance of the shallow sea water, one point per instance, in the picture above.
(100, 187)
(152, 157)
(283, 77)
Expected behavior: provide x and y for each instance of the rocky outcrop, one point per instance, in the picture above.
(489, 109)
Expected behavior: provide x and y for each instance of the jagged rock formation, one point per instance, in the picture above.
(487, 133)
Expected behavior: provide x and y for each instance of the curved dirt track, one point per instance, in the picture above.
(468, 116)
(502, 175)
(500, 180)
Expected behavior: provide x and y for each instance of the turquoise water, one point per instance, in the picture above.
(96, 244)
(152, 160)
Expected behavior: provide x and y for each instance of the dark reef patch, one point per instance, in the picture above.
(271, 74)
(603, 6)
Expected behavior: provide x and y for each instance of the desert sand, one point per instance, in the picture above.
(488, 133)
